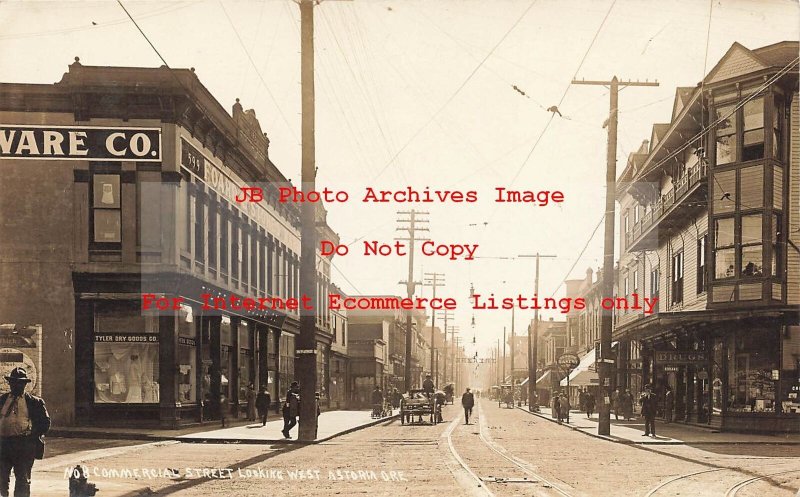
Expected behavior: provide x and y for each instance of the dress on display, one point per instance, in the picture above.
(134, 381)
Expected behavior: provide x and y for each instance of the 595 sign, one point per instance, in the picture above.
(80, 143)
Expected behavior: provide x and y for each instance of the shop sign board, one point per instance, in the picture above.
(21, 346)
(568, 361)
(24, 141)
(681, 357)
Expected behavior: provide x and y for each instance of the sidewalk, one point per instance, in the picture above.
(331, 424)
(676, 433)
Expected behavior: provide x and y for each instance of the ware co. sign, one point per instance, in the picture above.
(80, 143)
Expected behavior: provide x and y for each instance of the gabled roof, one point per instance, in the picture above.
(778, 54)
(740, 60)
(655, 136)
(682, 95)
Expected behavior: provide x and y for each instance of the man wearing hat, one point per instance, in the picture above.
(291, 409)
(648, 402)
(428, 385)
(23, 420)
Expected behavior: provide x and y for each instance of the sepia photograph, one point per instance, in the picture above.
(481, 248)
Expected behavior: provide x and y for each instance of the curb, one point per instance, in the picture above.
(188, 439)
(625, 441)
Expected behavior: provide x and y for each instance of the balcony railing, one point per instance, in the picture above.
(664, 204)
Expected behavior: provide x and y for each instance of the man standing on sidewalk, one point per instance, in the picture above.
(648, 402)
(467, 402)
(291, 409)
(23, 420)
(263, 400)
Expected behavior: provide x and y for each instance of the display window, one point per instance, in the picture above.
(125, 357)
(187, 356)
(226, 357)
(752, 370)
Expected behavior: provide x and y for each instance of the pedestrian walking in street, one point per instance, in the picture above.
(291, 409)
(250, 395)
(582, 395)
(263, 401)
(616, 402)
(669, 405)
(377, 402)
(396, 397)
(627, 405)
(467, 402)
(564, 406)
(557, 406)
(589, 403)
(648, 401)
(23, 421)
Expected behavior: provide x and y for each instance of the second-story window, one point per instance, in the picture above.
(677, 278)
(106, 209)
(654, 283)
(702, 276)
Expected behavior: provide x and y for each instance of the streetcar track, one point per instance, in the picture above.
(731, 491)
(735, 489)
(546, 485)
(523, 465)
(449, 434)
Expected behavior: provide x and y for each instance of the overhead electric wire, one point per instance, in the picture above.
(564, 95)
(457, 90)
(258, 72)
(714, 124)
(580, 255)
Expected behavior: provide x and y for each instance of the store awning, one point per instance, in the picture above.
(545, 376)
(585, 374)
(524, 382)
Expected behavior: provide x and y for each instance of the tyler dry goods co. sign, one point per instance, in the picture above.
(80, 143)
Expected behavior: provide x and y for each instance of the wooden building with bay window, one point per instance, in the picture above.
(710, 224)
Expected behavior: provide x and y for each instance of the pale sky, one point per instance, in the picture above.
(405, 98)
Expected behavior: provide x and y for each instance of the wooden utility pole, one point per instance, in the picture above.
(513, 347)
(453, 338)
(533, 343)
(497, 364)
(434, 280)
(444, 367)
(504, 356)
(410, 225)
(306, 362)
(605, 369)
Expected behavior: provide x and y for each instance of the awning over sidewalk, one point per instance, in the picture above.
(585, 374)
(545, 376)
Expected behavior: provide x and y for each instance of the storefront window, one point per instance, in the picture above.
(287, 351)
(245, 358)
(752, 371)
(125, 356)
(226, 358)
(187, 356)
